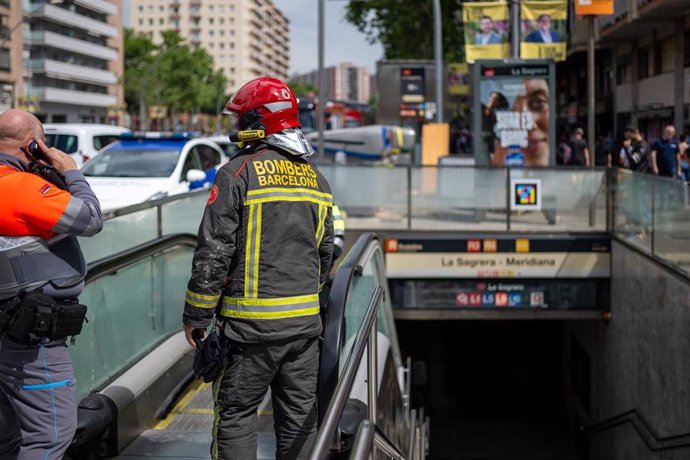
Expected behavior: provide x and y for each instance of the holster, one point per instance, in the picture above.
(40, 316)
(209, 357)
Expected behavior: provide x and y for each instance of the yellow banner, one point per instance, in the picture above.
(588, 7)
(458, 79)
(487, 34)
(544, 29)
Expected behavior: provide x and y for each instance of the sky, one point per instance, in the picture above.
(343, 42)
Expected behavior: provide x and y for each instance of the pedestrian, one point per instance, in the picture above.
(580, 152)
(264, 252)
(684, 164)
(665, 158)
(42, 210)
(626, 148)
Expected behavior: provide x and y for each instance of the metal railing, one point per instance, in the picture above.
(364, 339)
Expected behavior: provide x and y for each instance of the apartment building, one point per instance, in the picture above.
(246, 38)
(72, 61)
(10, 52)
(642, 69)
(344, 82)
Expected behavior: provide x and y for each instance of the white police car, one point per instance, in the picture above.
(141, 167)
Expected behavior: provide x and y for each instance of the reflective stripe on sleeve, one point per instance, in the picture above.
(288, 194)
(275, 308)
(69, 215)
(201, 300)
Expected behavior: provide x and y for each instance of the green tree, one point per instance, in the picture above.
(172, 74)
(405, 28)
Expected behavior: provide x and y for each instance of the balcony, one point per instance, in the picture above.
(646, 16)
(73, 45)
(102, 6)
(72, 72)
(67, 96)
(68, 18)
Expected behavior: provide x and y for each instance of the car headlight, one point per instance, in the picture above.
(157, 196)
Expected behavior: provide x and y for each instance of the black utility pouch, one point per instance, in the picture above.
(68, 320)
(33, 319)
(209, 358)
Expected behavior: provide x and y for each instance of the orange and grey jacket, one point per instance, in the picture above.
(264, 249)
(34, 213)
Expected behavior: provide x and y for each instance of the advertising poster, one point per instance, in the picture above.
(412, 84)
(543, 29)
(513, 122)
(487, 34)
(458, 79)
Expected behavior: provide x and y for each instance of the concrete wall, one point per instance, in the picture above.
(644, 357)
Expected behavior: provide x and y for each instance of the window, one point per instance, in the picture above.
(68, 143)
(210, 20)
(5, 59)
(643, 63)
(150, 21)
(101, 141)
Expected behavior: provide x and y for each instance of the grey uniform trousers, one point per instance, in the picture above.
(38, 413)
(290, 369)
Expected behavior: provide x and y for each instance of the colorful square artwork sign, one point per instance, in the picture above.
(525, 194)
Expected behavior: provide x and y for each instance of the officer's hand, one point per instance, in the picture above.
(58, 159)
(188, 330)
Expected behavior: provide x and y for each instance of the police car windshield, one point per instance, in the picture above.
(133, 163)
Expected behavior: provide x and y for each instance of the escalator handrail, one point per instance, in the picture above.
(334, 320)
(112, 263)
(346, 381)
(368, 436)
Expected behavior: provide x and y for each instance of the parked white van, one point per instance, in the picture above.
(81, 140)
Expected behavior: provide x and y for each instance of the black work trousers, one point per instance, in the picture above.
(290, 369)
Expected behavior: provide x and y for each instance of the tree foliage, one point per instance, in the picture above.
(405, 28)
(172, 74)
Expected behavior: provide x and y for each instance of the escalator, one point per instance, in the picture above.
(133, 366)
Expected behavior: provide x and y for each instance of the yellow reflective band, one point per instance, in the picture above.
(201, 301)
(270, 314)
(338, 224)
(248, 252)
(287, 198)
(285, 190)
(257, 252)
(320, 230)
(272, 302)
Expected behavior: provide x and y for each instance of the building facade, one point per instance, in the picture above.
(10, 52)
(344, 82)
(642, 70)
(72, 61)
(246, 38)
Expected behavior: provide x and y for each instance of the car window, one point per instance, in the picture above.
(191, 162)
(229, 148)
(133, 163)
(101, 141)
(209, 157)
(68, 143)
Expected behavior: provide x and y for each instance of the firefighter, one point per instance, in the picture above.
(263, 254)
(41, 274)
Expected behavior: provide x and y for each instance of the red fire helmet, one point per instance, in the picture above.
(265, 103)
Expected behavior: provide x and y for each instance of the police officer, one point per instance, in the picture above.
(263, 254)
(41, 274)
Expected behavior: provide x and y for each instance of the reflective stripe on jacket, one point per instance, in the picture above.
(263, 250)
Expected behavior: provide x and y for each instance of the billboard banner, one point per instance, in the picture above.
(543, 29)
(487, 34)
(513, 103)
(458, 79)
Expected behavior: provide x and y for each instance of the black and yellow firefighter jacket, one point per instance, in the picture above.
(264, 249)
